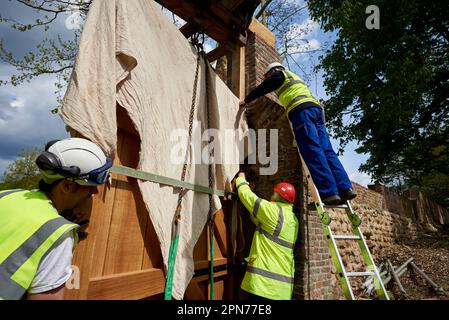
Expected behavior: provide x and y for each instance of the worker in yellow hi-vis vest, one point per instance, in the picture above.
(307, 119)
(271, 266)
(36, 237)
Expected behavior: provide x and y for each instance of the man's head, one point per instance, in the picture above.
(284, 192)
(72, 169)
(272, 67)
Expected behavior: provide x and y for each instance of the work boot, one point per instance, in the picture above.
(348, 194)
(332, 200)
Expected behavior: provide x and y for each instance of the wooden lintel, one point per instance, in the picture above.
(127, 286)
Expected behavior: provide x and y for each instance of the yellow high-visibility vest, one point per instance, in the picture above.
(29, 226)
(293, 92)
(271, 266)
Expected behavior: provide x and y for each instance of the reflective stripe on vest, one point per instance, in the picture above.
(293, 92)
(7, 193)
(289, 83)
(269, 274)
(9, 289)
(256, 206)
(242, 184)
(298, 98)
(275, 237)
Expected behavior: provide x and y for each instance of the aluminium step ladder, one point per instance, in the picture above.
(343, 275)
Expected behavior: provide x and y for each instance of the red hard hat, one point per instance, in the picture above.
(286, 191)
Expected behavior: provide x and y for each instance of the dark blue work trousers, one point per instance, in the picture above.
(312, 138)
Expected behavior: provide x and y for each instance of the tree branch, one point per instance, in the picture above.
(264, 7)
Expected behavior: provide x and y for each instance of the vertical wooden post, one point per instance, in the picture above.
(238, 72)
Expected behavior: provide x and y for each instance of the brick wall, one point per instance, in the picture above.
(313, 277)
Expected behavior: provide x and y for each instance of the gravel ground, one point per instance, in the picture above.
(431, 254)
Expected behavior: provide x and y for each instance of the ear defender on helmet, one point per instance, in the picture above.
(47, 161)
(74, 158)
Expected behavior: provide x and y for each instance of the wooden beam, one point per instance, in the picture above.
(189, 29)
(238, 72)
(127, 286)
(220, 233)
(214, 26)
(263, 32)
(194, 292)
(217, 53)
(202, 264)
(216, 275)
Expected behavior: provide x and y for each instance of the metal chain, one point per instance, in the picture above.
(211, 179)
(191, 115)
(211, 183)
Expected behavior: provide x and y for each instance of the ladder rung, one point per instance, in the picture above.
(346, 237)
(360, 274)
(340, 206)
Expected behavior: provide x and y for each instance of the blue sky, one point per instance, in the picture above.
(25, 111)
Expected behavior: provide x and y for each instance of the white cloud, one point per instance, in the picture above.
(208, 47)
(17, 103)
(302, 38)
(25, 117)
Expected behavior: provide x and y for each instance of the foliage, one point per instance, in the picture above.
(389, 88)
(23, 173)
(282, 17)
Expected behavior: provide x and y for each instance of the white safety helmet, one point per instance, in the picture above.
(272, 66)
(78, 159)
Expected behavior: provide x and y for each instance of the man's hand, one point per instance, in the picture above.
(242, 175)
(242, 104)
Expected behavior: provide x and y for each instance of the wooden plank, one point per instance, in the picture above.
(213, 25)
(231, 4)
(218, 288)
(217, 53)
(152, 255)
(130, 285)
(200, 251)
(216, 275)
(263, 32)
(203, 264)
(189, 29)
(127, 230)
(238, 72)
(221, 233)
(194, 291)
(90, 257)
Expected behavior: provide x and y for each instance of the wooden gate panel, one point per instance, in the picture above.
(121, 257)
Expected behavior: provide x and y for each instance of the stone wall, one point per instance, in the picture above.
(415, 205)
